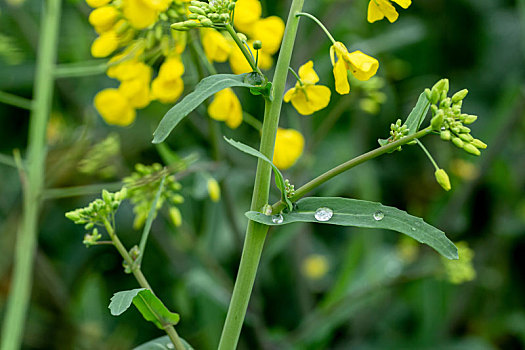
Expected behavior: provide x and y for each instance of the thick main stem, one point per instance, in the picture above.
(255, 232)
(19, 295)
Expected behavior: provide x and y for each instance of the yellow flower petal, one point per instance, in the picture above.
(103, 18)
(139, 14)
(403, 3)
(226, 107)
(388, 10)
(238, 62)
(374, 12)
(288, 95)
(247, 12)
(97, 3)
(300, 102)
(114, 107)
(172, 68)
(167, 90)
(136, 91)
(318, 96)
(105, 44)
(216, 47)
(289, 144)
(363, 66)
(341, 78)
(270, 32)
(308, 74)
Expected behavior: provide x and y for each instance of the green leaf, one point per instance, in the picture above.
(151, 308)
(162, 343)
(353, 212)
(204, 89)
(279, 180)
(121, 301)
(418, 114)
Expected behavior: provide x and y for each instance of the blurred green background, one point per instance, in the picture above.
(379, 291)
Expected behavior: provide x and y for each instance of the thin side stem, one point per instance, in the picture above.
(16, 101)
(429, 156)
(316, 20)
(341, 168)
(141, 279)
(25, 246)
(255, 232)
(243, 48)
(82, 69)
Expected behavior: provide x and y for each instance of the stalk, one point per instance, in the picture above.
(19, 295)
(255, 232)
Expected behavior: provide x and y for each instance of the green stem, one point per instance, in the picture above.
(243, 48)
(341, 168)
(428, 154)
(312, 17)
(83, 69)
(16, 101)
(296, 76)
(19, 295)
(141, 279)
(256, 233)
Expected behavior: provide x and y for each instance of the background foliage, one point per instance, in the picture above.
(380, 291)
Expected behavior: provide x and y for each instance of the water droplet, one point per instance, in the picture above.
(443, 128)
(170, 346)
(277, 219)
(413, 228)
(379, 215)
(323, 214)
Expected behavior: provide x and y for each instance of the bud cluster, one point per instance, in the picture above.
(98, 212)
(203, 14)
(289, 188)
(448, 119)
(143, 185)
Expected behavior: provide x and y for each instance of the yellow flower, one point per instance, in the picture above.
(315, 266)
(168, 85)
(103, 18)
(139, 14)
(159, 5)
(216, 47)
(289, 144)
(114, 107)
(247, 12)
(213, 189)
(105, 44)
(363, 67)
(378, 9)
(97, 3)
(307, 97)
(136, 91)
(270, 32)
(226, 107)
(239, 64)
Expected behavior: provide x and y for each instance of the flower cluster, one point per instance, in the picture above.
(448, 120)
(142, 186)
(100, 212)
(140, 30)
(379, 9)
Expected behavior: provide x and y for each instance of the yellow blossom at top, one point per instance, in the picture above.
(168, 85)
(362, 66)
(105, 44)
(307, 97)
(270, 32)
(103, 18)
(114, 107)
(226, 107)
(379, 9)
(139, 14)
(247, 12)
(216, 47)
(289, 145)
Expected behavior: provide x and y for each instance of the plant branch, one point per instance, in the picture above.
(243, 48)
(16, 101)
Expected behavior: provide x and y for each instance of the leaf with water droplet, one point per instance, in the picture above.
(162, 343)
(323, 214)
(353, 212)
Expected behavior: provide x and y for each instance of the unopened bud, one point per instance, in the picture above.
(469, 119)
(470, 148)
(466, 137)
(479, 144)
(460, 95)
(214, 190)
(175, 216)
(443, 179)
(437, 121)
(197, 10)
(257, 44)
(458, 142)
(445, 135)
(242, 37)
(206, 22)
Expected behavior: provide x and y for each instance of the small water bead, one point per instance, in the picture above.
(413, 228)
(379, 215)
(277, 219)
(443, 128)
(323, 214)
(170, 346)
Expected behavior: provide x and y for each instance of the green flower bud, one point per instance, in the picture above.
(470, 148)
(464, 129)
(193, 16)
(163, 16)
(434, 109)
(242, 37)
(428, 94)
(224, 17)
(460, 95)
(175, 216)
(437, 121)
(206, 22)
(466, 137)
(73, 215)
(434, 97)
(445, 135)
(443, 95)
(445, 102)
(197, 10)
(180, 26)
(443, 179)
(440, 85)
(479, 144)
(257, 44)
(458, 142)
(173, 14)
(469, 119)
(150, 40)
